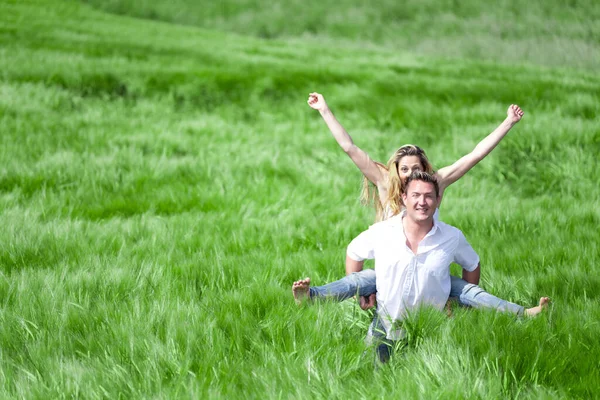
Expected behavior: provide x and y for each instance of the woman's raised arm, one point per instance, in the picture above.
(450, 174)
(362, 160)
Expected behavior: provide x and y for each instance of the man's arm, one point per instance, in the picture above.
(353, 265)
(365, 302)
(360, 249)
(472, 276)
(468, 259)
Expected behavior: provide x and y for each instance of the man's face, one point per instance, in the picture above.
(421, 201)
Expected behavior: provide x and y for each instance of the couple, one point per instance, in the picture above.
(411, 247)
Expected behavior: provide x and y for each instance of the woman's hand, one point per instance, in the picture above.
(316, 101)
(514, 113)
(450, 174)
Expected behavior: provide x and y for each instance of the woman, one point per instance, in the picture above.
(389, 181)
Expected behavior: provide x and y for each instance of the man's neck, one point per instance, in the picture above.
(415, 231)
(416, 228)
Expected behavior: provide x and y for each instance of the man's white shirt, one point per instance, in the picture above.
(406, 280)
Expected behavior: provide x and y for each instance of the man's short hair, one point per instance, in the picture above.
(425, 177)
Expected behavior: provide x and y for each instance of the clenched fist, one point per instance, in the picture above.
(514, 113)
(316, 101)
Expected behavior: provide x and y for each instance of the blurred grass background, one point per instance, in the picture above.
(163, 182)
(547, 33)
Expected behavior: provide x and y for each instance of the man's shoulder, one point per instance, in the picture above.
(448, 229)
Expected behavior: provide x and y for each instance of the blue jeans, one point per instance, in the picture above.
(376, 338)
(363, 284)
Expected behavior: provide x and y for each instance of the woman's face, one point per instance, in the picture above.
(408, 165)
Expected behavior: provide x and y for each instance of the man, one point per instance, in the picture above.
(412, 255)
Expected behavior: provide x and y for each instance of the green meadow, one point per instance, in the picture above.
(163, 182)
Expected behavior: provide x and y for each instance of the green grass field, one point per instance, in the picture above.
(163, 183)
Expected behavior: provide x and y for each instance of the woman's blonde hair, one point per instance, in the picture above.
(395, 185)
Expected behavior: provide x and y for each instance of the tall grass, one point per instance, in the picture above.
(162, 186)
(539, 32)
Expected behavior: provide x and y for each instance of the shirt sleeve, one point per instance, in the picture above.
(464, 255)
(362, 247)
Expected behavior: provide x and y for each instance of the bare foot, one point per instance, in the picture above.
(533, 311)
(300, 290)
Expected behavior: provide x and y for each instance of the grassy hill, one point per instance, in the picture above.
(540, 32)
(163, 182)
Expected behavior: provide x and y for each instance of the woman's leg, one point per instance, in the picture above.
(474, 296)
(359, 283)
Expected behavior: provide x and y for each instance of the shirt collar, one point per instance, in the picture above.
(396, 220)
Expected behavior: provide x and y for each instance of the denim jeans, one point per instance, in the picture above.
(376, 339)
(363, 284)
